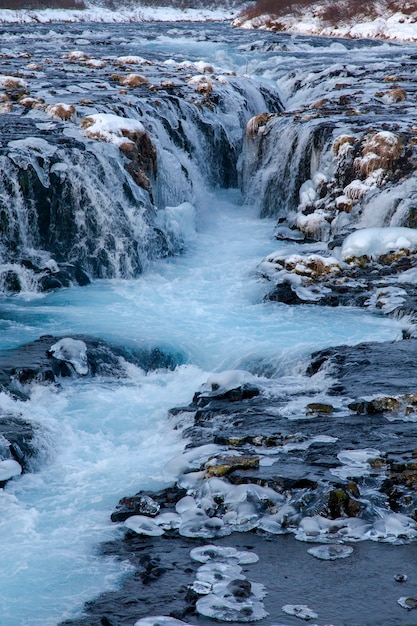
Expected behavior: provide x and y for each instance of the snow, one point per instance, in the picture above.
(386, 25)
(110, 127)
(96, 13)
(373, 242)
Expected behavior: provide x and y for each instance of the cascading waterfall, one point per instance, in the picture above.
(123, 154)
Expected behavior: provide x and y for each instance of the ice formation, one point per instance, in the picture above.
(160, 620)
(373, 242)
(299, 610)
(9, 468)
(232, 596)
(223, 554)
(143, 525)
(331, 552)
(71, 351)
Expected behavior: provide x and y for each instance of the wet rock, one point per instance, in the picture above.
(319, 407)
(223, 465)
(244, 392)
(135, 505)
(400, 578)
(145, 504)
(37, 362)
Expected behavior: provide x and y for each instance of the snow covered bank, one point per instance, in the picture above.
(94, 13)
(381, 21)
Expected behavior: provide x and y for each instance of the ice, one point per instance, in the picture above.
(201, 587)
(237, 601)
(223, 554)
(407, 603)
(198, 524)
(160, 620)
(179, 222)
(217, 571)
(373, 242)
(355, 462)
(168, 521)
(330, 552)
(73, 351)
(9, 468)
(299, 610)
(143, 525)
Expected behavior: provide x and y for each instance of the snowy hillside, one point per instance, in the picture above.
(386, 19)
(46, 11)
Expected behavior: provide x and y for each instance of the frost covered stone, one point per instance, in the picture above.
(71, 351)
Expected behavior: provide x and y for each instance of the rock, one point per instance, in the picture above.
(135, 505)
(222, 465)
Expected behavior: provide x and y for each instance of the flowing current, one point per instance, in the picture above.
(109, 438)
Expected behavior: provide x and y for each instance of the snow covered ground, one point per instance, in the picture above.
(386, 25)
(95, 13)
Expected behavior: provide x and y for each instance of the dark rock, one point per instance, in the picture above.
(135, 505)
(245, 392)
(33, 362)
(22, 442)
(145, 504)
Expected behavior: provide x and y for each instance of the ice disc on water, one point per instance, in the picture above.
(408, 603)
(160, 620)
(143, 526)
(223, 554)
(231, 609)
(299, 610)
(214, 572)
(331, 552)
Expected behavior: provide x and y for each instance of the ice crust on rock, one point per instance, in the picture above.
(73, 351)
(9, 468)
(373, 242)
(143, 525)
